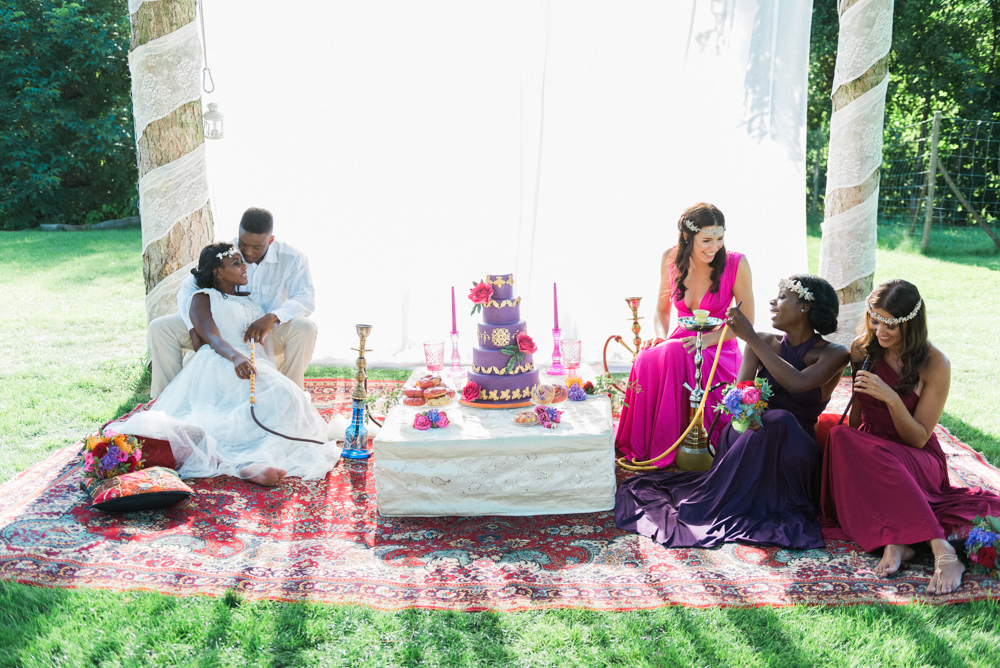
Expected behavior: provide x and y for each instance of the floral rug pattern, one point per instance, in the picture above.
(324, 541)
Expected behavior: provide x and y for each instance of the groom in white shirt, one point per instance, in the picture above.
(279, 277)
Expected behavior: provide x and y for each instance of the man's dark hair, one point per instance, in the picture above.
(257, 221)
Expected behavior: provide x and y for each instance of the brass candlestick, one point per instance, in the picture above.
(356, 437)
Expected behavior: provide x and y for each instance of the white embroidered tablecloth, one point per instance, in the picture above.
(484, 463)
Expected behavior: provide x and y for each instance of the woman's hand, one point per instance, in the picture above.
(869, 383)
(738, 323)
(689, 343)
(243, 367)
(649, 343)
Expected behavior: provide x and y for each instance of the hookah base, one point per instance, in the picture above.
(355, 454)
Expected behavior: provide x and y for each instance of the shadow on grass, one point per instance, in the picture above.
(980, 441)
(140, 393)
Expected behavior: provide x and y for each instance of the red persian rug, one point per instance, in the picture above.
(325, 541)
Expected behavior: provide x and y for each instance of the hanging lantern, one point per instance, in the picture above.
(213, 121)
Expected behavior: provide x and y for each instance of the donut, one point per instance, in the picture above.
(429, 380)
(435, 392)
(543, 394)
(561, 393)
(438, 401)
(413, 392)
(527, 417)
(450, 392)
(414, 401)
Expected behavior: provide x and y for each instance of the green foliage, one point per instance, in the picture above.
(65, 100)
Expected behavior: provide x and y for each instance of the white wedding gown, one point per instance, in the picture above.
(205, 411)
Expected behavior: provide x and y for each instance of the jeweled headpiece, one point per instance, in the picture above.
(688, 223)
(802, 291)
(231, 251)
(893, 321)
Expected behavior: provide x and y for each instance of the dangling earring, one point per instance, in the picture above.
(803, 309)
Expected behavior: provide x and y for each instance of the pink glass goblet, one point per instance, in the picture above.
(570, 350)
(434, 354)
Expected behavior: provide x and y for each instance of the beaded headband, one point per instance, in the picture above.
(802, 291)
(894, 321)
(231, 251)
(694, 228)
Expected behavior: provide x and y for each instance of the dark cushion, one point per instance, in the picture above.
(145, 489)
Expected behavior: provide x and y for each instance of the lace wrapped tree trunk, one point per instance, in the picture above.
(861, 77)
(165, 59)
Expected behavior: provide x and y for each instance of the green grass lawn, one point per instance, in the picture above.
(73, 356)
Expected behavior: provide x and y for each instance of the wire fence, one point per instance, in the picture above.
(967, 152)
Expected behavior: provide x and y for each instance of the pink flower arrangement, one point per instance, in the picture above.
(548, 417)
(470, 392)
(110, 456)
(432, 419)
(745, 402)
(480, 294)
(525, 344)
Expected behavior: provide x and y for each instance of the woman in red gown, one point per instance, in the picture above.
(697, 273)
(885, 478)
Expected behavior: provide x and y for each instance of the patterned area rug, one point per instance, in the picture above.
(325, 541)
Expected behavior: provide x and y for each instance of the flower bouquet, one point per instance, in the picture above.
(982, 545)
(432, 419)
(745, 402)
(110, 456)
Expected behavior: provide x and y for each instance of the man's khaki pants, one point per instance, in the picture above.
(293, 343)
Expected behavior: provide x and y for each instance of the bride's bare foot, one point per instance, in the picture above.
(269, 476)
(892, 557)
(948, 569)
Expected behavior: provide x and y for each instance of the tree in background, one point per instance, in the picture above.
(66, 140)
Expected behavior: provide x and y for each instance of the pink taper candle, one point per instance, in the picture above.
(454, 327)
(555, 305)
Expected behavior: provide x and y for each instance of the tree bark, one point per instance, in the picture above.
(166, 140)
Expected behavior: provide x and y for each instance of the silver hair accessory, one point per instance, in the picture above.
(802, 291)
(690, 225)
(231, 251)
(894, 321)
(708, 229)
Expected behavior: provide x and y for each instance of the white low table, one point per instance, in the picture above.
(486, 464)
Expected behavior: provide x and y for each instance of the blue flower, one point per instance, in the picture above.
(433, 415)
(732, 401)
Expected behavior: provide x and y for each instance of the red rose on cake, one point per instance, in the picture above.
(470, 392)
(480, 294)
(525, 344)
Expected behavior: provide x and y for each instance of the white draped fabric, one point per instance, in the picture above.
(409, 147)
(848, 249)
(165, 74)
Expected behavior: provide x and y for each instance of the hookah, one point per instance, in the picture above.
(693, 447)
(356, 437)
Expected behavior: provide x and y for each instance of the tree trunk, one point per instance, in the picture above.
(165, 140)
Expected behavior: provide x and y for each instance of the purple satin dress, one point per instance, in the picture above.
(656, 415)
(763, 487)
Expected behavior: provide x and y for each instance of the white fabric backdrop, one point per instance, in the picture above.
(409, 147)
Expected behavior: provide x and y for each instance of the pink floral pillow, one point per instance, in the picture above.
(145, 489)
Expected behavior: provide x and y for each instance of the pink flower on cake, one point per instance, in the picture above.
(480, 294)
(421, 422)
(470, 392)
(525, 344)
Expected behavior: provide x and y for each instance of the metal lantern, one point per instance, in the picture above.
(213, 121)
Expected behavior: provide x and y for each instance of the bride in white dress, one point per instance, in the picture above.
(205, 411)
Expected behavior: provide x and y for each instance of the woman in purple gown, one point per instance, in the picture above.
(697, 273)
(763, 486)
(885, 477)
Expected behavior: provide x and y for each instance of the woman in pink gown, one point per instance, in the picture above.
(697, 273)
(885, 478)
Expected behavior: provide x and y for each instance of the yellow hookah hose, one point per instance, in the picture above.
(646, 465)
(253, 364)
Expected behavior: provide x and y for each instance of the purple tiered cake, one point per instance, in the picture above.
(503, 383)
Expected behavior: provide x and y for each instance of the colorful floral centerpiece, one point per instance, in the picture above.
(983, 543)
(745, 402)
(109, 456)
(548, 417)
(480, 295)
(432, 419)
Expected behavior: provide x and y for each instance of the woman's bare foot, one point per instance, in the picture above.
(268, 476)
(892, 557)
(948, 569)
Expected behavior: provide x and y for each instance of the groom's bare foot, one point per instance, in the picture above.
(892, 557)
(269, 476)
(948, 570)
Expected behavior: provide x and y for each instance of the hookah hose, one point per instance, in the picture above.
(864, 367)
(647, 465)
(253, 401)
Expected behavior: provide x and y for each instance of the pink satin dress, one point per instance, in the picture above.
(657, 410)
